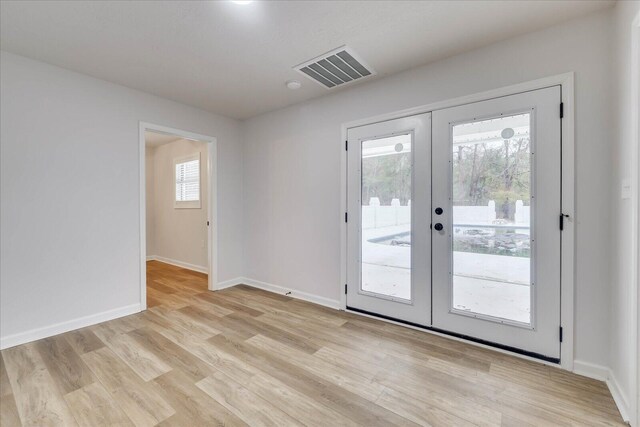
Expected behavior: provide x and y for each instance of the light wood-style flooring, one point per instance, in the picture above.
(243, 356)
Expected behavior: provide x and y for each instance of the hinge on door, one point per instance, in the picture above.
(345, 288)
(562, 217)
(346, 217)
(561, 109)
(560, 333)
(346, 145)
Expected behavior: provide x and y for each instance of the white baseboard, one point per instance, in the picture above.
(618, 396)
(602, 373)
(193, 267)
(230, 283)
(327, 302)
(66, 326)
(590, 370)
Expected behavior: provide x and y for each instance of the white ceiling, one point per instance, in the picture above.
(235, 59)
(152, 139)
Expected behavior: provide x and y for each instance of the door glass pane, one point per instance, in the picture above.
(386, 216)
(492, 218)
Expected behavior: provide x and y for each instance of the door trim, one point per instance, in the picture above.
(212, 213)
(634, 408)
(567, 250)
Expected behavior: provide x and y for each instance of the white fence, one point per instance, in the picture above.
(523, 213)
(475, 214)
(377, 216)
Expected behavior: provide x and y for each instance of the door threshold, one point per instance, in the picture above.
(505, 348)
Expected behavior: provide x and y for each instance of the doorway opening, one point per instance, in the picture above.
(177, 214)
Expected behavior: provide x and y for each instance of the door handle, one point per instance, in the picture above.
(438, 226)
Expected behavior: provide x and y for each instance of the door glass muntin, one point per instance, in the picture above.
(386, 216)
(491, 229)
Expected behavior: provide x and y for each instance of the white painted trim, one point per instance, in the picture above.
(344, 203)
(66, 326)
(327, 302)
(566, 81)
(212, 212)
(559, 79)
(568, 245)
(618, 396)
(634, 300)
(602, 373)
(230, 283)
(178, 263)
(590, 370)
(142, 207)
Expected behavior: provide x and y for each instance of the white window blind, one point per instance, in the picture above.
(188, 182)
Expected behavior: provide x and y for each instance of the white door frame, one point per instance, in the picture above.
(212, 213)
(567, 285)
(635, 218)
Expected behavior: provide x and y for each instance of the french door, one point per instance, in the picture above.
(453, 220)
(389, 197)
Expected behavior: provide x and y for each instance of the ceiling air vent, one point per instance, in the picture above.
(336, 68)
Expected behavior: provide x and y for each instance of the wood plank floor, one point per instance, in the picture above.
(243, 356)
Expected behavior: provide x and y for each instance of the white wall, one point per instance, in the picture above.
(292, 163)
(149, 169)
(623, 363)
(70, 194)
(179, 234)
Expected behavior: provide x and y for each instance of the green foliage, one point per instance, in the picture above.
(497, 170)
(387, 177)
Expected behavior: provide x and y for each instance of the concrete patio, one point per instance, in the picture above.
(492, 285)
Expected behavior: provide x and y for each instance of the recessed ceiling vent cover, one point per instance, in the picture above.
(336, 68)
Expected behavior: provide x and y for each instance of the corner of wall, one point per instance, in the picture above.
(623, 379)
(242, 137)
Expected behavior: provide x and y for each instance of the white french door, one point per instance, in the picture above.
(496, 257)
(453, 220)
(388, 238)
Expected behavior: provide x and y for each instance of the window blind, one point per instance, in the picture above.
(188, 181)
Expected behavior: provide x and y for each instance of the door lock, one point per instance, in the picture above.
(439, 211)
(438, 226)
